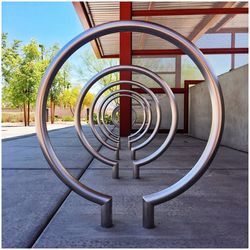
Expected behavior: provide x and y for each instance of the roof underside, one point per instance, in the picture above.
(191, 26)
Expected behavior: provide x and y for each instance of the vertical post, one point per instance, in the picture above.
(87, 115)
(186, 106)
(178, 71)
(125, 59)
(232, 46)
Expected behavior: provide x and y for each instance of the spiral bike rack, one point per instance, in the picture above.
(142, 106)
(137, 84)
(168, 193)
(116, 110)
(101, 113)
(113, 117)
(78, 110)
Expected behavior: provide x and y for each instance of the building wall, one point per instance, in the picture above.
(166, 111)
(234, 86)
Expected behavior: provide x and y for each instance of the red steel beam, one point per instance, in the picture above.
(179, 12)
(180, 52)
(125, 59)
(210, 51)
(160, 90)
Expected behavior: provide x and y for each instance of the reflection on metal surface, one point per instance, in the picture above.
(117, 110)
(151, 200)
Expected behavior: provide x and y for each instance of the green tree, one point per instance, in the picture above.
(189, 71)
(22, 70)
(69, 98)
(90, 65)
(21, 74)
(10, 62)
(61, 81)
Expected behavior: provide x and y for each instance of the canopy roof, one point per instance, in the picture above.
(183, 17)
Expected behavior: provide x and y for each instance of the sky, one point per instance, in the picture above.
(57, 22)
(47, 22)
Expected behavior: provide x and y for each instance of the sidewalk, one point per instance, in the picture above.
(12, 130)
(39, 211)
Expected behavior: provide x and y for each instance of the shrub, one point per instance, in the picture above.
(107, 119)
(67, 119)
(95, 118)
(16, 117)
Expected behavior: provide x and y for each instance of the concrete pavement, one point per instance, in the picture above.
(39, 211)
(14, 130)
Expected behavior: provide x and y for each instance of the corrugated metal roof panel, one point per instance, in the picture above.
(101, 12)
(174, 5)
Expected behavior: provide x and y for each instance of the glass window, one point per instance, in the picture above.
(156, 64)
(240, 60)
(215, 41)
(219, 63)
(189, 70)
(241, 40)
(169, 78)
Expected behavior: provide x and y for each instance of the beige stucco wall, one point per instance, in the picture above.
(166, 111)
(234, 86)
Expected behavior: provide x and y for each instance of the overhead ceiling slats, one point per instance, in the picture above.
(102, 12)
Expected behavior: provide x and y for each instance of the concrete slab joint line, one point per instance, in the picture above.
(57, 208)
(211, 214)
(104, 136)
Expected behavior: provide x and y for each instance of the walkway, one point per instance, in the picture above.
(39, 211)
(13, 130)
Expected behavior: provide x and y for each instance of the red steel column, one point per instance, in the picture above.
(125, 58)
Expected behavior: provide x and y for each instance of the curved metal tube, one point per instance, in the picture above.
(168, 91)
(116, 136)
(158, 109)
(92, 107)
(113, 121)
(99, 113)
(205, 159)
(117, 109)
(144, 100)
(118, 96)
(111, 97)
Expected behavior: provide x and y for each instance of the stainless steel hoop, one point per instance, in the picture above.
(116, 110)
(151, 94)
(149, 201)
(103, 112)
(125, 95)
(137, 163)
(112, 97)
(100, 139)
(113, 113)
(136, 97)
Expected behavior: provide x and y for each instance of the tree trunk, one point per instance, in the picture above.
(28, 115)
(71, 110)
(54, 108)
(52, 111)
(24, 114)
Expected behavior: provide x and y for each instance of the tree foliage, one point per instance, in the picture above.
(20, 74)
(69, 98)
(61, 81)
(90, 65)
(22, 69)
(190, 71)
